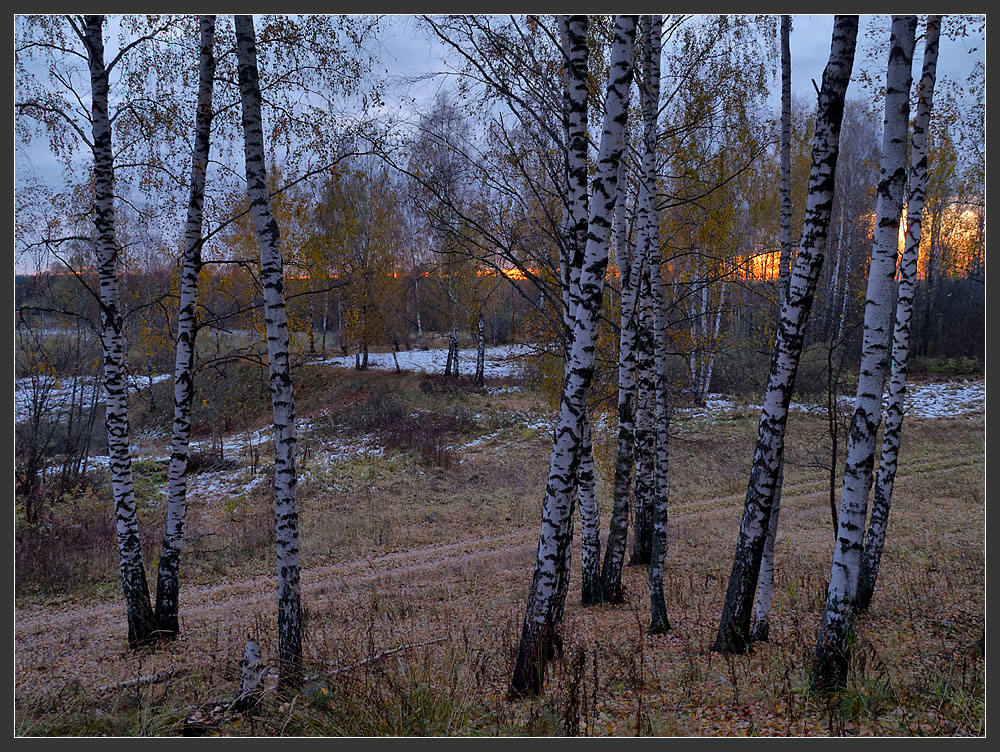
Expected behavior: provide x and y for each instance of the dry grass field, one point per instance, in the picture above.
(417, 557)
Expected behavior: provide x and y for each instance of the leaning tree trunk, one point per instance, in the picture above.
(765, 586)
(649, 90)
(901, 335)
(138, 609)
(167, 583)
(734, 624)
(539, 624)
(286, 516)
(830, 669)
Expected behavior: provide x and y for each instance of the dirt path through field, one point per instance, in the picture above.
(86, 642)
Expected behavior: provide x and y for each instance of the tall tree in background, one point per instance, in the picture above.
(889, 455)
(765, 587)
(540, 625)
(167, 582)
(831, 648)
(286, 517)
(734, 624)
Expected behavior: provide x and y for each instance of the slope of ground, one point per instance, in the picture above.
(420, 501)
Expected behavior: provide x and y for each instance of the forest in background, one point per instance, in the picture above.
(455, 230)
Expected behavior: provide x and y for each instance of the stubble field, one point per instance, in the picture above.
(419, 503)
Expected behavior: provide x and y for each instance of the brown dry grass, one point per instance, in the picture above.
(436, 562)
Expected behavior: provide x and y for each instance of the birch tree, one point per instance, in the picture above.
(649, 97)
(573, 41)
(141, 619)
(645, 418)
(167, 584)
(889, 456)
(734, 624)
(765, 587)
(286, 516)
(830, 668)
(113, 128)
(630, 266)
(540, 622)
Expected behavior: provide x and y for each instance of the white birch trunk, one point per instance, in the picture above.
(904, 314)
(286, 515)
(765, 586)
(706, 382)
(251, 674)
(630, 266)
(649, 89)
(734, 624)
(831, 647)
(167, 584)
(139, 611)
(590, 523)
(573, 42)
(536, 641)
(480, 378)
(645, 429)
(416, 308)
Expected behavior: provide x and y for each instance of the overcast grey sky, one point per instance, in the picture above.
(405, 49)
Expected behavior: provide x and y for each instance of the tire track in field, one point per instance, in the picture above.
(208, 602)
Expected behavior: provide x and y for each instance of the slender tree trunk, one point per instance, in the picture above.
(286, 516)
(326, 316)
(658, 620)
(765, 586)
(706, 383)
(904, 314)
(138, 609)
(312, 314)
(573, 42)
(630, 266)
(416, 308)
(645, 428)
(649, 89)
(590, 523)
(167, 583)
(542, 607)
(734, 624)
(340, 325)
(830, 668)
(480, 378)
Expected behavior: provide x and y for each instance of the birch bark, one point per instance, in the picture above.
(765, 586)
(167, 584)
(286, 517)
(573, 40)
(652, 29)
(138, 609)
(630, 267)
(734, 624)
(539, 626)
(645, 427)
(479, 379)
(830, 668)
(889, 456)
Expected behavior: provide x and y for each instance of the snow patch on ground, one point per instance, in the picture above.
(500, 362)
(950, 399)
(59, 392)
